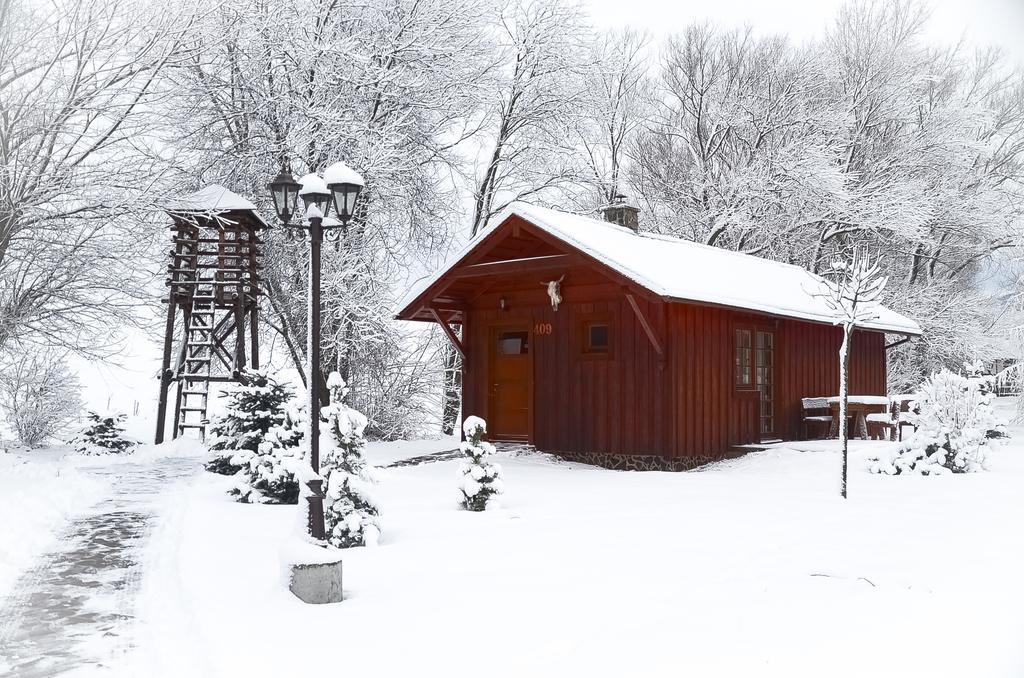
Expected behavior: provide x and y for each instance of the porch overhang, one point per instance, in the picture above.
(478, 271)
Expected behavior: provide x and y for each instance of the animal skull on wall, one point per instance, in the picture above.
(555, 291)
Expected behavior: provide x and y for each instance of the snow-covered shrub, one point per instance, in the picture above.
(986, 385)
(351, 514)
(479, 480)
(103, 435)
(257, 439)
(39, 395)
(268, 473)
(954, 417)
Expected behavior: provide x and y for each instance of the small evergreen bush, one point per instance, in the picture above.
(351, 513)
(257, 440)
(479, 480)
(103, 435)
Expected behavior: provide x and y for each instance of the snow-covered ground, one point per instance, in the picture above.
(39, 492)
(73, 530)
(752, 567)
(42, 489)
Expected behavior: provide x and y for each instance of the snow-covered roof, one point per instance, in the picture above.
(687, 271)
(214, 199)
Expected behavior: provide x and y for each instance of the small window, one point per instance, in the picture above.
(513, 343)
(597, 338)
(743, 354)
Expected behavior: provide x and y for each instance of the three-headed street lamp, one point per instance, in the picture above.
(339, 188)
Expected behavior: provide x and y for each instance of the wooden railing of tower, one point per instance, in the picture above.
(213, 287)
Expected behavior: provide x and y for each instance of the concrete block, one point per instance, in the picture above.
(316, 583)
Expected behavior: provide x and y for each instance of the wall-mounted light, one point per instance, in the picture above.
(502, 304)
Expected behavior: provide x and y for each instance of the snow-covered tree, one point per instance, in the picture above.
(39, 396)
(853, 295)
(396, 86)
(1011, 376)
(530, 120)
(451, 397)
(955, 426)
(351, 513)
(617, 101)
(870, 137)
(267, 475)
(479, 479)
(256, 439)
(77, 80)
(727, 155)
(103, 435)
(957, 321)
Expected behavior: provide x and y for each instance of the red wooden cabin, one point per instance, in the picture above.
(663, 353)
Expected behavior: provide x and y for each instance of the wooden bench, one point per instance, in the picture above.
(881, 425)
(816, 413)
(901, 413)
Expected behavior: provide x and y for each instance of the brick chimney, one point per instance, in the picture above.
(622, 212)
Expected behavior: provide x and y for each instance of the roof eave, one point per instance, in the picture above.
(804, 317)
(417, 303)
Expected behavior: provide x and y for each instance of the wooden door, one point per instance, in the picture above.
(764, 379)
(510, 384)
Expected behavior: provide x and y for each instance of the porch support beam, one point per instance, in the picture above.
(658, 348)
(450, 333)
(443, 310)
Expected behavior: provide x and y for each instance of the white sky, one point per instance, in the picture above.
(979, 22)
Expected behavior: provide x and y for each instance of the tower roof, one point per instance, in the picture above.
(215, 200)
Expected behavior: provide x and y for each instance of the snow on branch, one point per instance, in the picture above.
(855, 289)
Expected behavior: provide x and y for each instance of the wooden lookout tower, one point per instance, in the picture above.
(213, 281)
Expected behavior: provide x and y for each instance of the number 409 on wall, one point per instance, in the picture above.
(542, 328)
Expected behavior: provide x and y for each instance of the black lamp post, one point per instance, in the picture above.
(340, 187)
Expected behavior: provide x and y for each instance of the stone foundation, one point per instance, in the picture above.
(626, 462)
(643, 462)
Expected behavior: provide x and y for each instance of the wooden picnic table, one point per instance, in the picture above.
(858, 407)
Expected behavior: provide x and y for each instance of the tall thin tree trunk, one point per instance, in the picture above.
(844, 368)
(452, 390)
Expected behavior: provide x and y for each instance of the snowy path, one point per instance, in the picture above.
(73, 610)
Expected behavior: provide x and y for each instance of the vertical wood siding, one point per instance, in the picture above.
(625, 404)
(619, 403)
(811, 367)
(711, 414)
